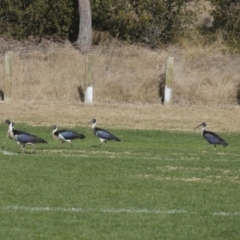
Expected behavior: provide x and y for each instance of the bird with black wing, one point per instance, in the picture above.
(66, 135)
(102, 134)
(211, 137)
(23, 138)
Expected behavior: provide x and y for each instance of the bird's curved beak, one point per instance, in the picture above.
(198, 126)
(52, 127)
(89, 123)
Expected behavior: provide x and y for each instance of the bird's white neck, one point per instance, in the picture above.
(10, 131)
(55, 129)
(203, 130)
(11, 126)
(53, 133)
(94, 125)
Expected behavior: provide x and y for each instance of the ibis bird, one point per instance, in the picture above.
(65, 135)
(102, 134)
(22, 138)
(211, 137)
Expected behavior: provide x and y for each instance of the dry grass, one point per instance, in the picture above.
(135, 116)
(126, 83)
(121, 74)
(127, 74)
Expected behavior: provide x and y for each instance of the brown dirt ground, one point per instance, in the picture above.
(135, 116)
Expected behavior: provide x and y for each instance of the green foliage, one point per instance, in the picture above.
(227, 21)
(21, 19)
(147, 21)
(151, 22)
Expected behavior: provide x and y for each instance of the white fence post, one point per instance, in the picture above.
(169, 76)
(8, 64)
(88, 96)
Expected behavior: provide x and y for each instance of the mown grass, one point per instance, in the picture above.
(151, 185)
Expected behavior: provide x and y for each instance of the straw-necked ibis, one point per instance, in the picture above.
(22, 137)
(102, 134)
(66, 135)
(211, 137)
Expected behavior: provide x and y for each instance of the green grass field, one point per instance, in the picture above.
(151, 185)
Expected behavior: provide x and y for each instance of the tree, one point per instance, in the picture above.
(152, 22)
(226, 20)
(38, 19)
(84, 40)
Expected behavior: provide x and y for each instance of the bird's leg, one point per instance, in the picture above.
(97, 145)
(61, 144)
(33, 149)
(215, 147)
(23, 148)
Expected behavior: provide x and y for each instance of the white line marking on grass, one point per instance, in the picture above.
(226, 213)
(121, 210)
(111, 210)
(4, 152)
(226, 160)
(173, 211)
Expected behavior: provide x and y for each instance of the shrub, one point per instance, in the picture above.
(148, 21)
(21, 19)
(226, 20)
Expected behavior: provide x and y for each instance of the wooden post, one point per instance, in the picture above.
(169, 76)
(88, 97)
(8, 75)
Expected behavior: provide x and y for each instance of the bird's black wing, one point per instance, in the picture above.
(24, 137)
(68, 134)
(213, 138)
(104, 134)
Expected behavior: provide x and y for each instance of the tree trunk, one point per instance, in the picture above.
(84, 41)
